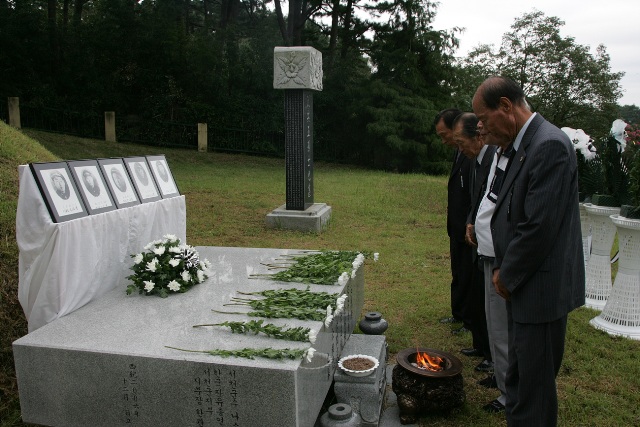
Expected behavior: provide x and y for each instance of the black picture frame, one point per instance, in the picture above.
(92, 186)
(59, 191)
(164, 178)
(119, 183)
(142, 178)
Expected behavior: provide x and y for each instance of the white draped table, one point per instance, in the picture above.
(63, 266)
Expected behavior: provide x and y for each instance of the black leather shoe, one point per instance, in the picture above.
(460, 330)
(471, 352)
(494, 407)
(484, 366)
(489, 382)
(450, 320)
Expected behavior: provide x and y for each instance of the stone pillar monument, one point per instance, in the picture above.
(14, 112)
(298, 70)
(110, 126)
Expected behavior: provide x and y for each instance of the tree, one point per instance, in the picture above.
(562, 79)
(630, 113)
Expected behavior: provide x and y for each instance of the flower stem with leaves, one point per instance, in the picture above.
(256, 326)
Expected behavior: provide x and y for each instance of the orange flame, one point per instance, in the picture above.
(425, 361)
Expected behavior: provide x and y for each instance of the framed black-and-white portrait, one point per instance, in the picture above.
(164, 177)
(118, 181)
(59, 191)
(142, 179)
(92, 186)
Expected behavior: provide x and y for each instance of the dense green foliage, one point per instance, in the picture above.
(387, 72)
(562, 79)
(196, 61)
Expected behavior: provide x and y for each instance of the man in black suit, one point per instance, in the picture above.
(457, 209)
(472, 145)
(535, 227)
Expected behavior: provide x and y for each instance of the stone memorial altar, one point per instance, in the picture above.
(298, 70)
(108, 363)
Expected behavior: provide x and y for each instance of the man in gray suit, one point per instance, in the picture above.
(538, 267)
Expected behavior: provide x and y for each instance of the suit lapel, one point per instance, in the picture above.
(519, 158)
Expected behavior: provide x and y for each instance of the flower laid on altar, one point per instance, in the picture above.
(320, 268)
(167, 266)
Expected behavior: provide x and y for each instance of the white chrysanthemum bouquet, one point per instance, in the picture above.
(167, 266)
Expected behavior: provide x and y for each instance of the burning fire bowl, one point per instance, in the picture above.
(419, 390)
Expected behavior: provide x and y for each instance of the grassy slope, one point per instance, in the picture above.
(400, 216)
(15, 149)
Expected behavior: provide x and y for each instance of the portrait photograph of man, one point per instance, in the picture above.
(58, 191)
(144, 183)
(160, 170)
(59, 184)
(92, 186)
(118, 181)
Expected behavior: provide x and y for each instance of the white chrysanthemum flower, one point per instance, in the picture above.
(152, 265)
(174, 286)
(207, 264)
(159, 250)
(174, 249)
(148, 285)
(353, 274)
(328, 320)
(200, 275)
(376, 255)
(309, 354)
(138, 259)
(148, 246)
(186, 276)
(174, 262)
(343, 279)
(340, 302)
(618, 132)
(329, 310)
(170, 237)
(313, 335)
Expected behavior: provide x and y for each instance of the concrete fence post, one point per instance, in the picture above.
(110, 126)
(202, 137)
(14, 112)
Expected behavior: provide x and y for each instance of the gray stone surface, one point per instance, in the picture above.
(390, 412)
(365, 395)
(107, 363)
(297, 67)
(312, 219)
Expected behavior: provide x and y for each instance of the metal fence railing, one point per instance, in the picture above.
(246, 141)
(174, 134)
(86, 124)
(157, 133)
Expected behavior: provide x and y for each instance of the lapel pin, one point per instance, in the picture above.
(521, 159)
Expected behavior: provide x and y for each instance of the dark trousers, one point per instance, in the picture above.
(535, 355)
(476, 311)
(461, 272)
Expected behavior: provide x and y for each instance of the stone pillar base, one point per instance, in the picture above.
(314, 218)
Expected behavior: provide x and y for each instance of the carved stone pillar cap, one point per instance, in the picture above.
(297, 67)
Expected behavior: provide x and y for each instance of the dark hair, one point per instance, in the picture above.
(496, 87)
(469, 123)
(448, 116)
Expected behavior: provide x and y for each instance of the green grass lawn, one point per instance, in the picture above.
(400, 216)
